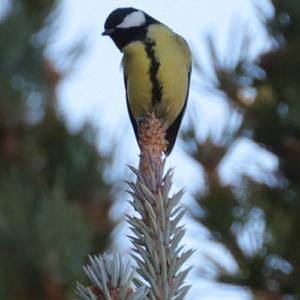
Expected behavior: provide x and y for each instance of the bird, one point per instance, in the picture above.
(156, 67)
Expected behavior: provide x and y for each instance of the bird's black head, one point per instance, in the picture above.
(128, 24)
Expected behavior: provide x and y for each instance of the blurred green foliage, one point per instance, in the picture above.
(54, 200)
(257, 221)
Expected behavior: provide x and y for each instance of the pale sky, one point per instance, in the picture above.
(94, 91)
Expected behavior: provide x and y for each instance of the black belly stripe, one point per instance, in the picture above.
(153, 71)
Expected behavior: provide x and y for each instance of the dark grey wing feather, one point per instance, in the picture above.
(172, 131)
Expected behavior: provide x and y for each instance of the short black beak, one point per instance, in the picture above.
(107, 32)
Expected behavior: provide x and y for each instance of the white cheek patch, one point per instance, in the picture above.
(135, 19)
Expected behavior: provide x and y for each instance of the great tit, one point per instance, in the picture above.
(157, 67)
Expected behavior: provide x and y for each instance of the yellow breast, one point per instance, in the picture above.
(136, 68)
(173, 56)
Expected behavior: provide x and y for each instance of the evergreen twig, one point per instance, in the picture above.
(110, 279)
(156, 234)
(156, 231)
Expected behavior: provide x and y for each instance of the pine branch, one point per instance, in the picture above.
(110, 279)
(156, 234)
(156, 231)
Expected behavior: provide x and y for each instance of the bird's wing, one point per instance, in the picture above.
(133, 122)
(172, 131)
